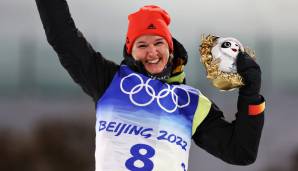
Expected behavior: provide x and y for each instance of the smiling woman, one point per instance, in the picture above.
(146, 95)
(149, 40)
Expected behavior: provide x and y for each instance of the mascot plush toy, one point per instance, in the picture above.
(218, 55)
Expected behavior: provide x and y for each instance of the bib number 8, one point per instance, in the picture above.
(140, 161)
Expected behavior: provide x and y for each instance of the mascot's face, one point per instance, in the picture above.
(230, 48)
(227, 49)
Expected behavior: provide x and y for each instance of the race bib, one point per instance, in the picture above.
(144, 124)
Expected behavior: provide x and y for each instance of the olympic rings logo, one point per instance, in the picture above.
(158, 96)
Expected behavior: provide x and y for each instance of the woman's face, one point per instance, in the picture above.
(152, 51)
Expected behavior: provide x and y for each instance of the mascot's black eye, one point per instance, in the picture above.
(226, 45)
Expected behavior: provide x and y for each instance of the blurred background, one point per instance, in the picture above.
(47, 122)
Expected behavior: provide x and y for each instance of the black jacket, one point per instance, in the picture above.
(236, 142)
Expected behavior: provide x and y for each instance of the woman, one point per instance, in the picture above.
(146, 115)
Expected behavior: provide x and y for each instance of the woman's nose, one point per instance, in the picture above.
(152, 51)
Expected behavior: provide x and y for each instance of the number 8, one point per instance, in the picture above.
(135, 152)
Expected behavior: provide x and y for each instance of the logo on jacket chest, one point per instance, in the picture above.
(143, 93)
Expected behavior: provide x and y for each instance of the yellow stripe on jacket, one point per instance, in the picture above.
(204, 105)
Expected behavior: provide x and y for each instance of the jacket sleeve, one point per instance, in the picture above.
(86, 67)
(237, 142)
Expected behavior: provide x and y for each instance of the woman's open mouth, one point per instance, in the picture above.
(154, 61)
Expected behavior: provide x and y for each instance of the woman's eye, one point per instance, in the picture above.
(142, 46)
(158, 43)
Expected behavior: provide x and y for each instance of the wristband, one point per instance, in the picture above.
(254, 110)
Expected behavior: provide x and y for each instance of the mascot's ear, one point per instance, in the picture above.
(216, 38)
